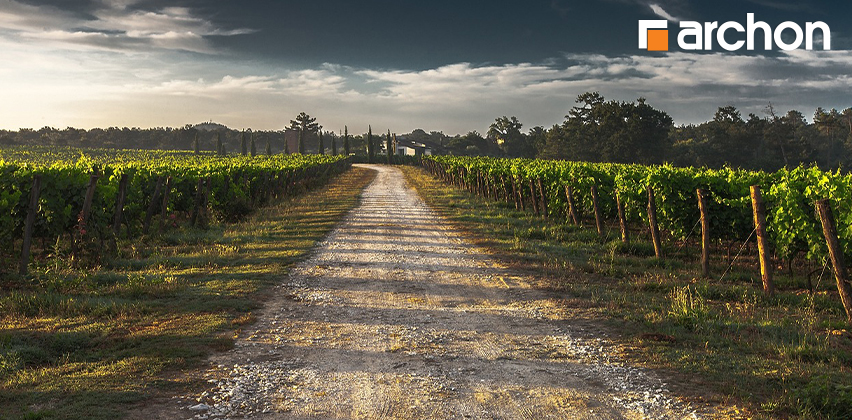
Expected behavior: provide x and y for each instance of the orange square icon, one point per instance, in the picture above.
(658, 40)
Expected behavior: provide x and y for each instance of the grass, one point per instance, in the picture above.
(789, 356)
(89, 344)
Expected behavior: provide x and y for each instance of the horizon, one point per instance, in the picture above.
(148, 64)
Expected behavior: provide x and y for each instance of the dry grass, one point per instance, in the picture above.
(89, 344)
(789, 356)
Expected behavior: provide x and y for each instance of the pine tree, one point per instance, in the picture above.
(268, 149)
(305, 124)
(321, 144)
(346, 140)
(243, 145)
(253, 147)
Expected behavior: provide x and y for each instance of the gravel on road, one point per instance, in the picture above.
(396, 316)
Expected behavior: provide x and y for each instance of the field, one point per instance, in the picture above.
(133, 278)
(89, 337)
(785, 355)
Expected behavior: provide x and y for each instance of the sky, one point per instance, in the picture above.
(450, 66)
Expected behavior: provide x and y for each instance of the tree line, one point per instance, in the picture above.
(594, 130)
(598, 130)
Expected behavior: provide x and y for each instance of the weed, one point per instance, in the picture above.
(823, 397)
(85, 344)
(785, 356)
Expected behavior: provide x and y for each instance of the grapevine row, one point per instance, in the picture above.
(84, 197)
(664, 198)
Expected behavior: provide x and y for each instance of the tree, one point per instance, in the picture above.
(321, 143)
(306, 125)
(610, 131)
(536, 138)
(268, 148)
(220, 149)
(334, 144)
(371, 148)
(243, 146)
(195, 144)
(506, 132)
(253, 147)
(389, 146)
(346, 140)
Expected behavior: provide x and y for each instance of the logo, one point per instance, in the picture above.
(733, 36)
(654, 35)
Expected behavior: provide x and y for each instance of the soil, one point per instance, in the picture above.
(396, 316)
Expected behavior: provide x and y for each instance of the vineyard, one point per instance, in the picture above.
(88, 199)
(666, 199)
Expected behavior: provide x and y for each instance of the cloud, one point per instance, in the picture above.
(112, 25)
(658, 10)
(463, 96)
(97, 87)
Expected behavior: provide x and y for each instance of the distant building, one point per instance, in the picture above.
(410, 148)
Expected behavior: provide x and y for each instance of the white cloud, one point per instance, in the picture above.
(115, 27)
(64, 81)
(658, 10)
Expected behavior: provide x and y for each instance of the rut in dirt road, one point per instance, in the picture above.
(395, 316)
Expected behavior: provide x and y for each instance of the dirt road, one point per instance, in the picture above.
(395, 316)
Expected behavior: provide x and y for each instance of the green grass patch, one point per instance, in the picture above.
(87, 344)
(789, 356)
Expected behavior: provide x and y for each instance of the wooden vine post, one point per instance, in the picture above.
(205, 213)
(533, 197)
(32, 209)
(572, 209)
(759, 209)
(835, 252)
(705, 232)
(622, 219)
(520, 189)
(506, 193)
(152, 206)
(83, 217)
(165, 206)
(596, 206)
(652, 221)
(543, 199)
(199, 197)
(90, 195)
(119, 205)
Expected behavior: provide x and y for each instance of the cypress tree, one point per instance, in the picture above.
(253, 147)
(390, 148)
(286, 146)
(346, 140)
(268, 149)
(220, 149)
(301, 141)
(334, 144)
(243, 143)
(195, 144)
(370, 148)
(321, 144)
